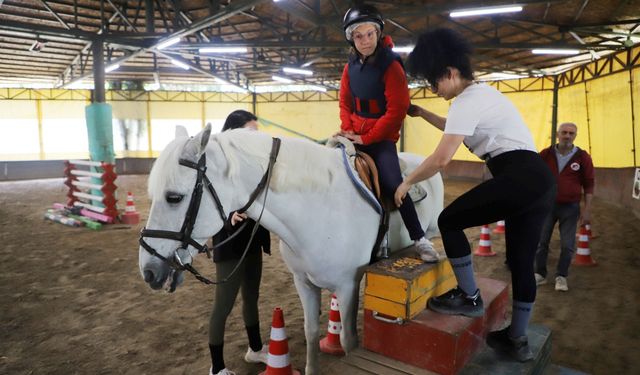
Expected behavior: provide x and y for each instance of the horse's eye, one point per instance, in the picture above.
(174, 198)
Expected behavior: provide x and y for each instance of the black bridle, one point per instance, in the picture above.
(182, 259)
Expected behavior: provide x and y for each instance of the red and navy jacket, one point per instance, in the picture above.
(576, 176)
(374, 96)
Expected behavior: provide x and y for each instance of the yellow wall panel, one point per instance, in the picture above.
(18, 109)
(572, 108)
(317, 120)
(536, 108)
(63, 109)
(609, 106)
(176, 110)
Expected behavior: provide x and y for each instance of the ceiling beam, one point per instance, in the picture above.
(55, 14)
(122, 16)
(229, 11)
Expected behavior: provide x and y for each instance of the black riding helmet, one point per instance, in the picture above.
(362, 13)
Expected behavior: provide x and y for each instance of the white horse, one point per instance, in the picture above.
(327, 229)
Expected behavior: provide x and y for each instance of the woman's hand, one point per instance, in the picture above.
(237, 218)
(415, 110)
(401, 192)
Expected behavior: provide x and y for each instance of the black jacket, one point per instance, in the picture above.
(234, 248)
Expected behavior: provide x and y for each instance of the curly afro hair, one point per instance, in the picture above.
(436, 50)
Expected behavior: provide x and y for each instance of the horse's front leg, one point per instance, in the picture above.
(310, 298)
(348, 306)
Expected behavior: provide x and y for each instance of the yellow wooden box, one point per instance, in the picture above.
(400, 286)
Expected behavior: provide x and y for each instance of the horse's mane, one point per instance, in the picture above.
(301, 164)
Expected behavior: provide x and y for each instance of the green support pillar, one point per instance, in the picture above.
(100, 132)
(99, 117)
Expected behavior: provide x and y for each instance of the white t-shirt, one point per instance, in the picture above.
(489, 121)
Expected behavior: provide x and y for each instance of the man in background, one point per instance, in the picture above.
(574, 172)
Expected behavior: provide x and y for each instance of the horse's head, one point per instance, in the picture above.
(177, 228)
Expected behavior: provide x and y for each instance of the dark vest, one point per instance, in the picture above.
(367, 85)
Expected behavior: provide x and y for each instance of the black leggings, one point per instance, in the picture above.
(246, 278)
(521, 192)
(385, 155)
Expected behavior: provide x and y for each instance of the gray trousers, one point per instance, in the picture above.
(567, 215)
(248, 278)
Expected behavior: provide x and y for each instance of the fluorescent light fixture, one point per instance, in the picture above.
(297, 71)
(403, 49)
(223, 50)
(221, 81)
(556, 51)
(168, 43)
(281, 79)
(485, 11)
(111, 68)
(501, 76)
(180, 64)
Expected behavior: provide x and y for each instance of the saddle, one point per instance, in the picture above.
(368, 173)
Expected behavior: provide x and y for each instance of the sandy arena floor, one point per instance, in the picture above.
(73, 301)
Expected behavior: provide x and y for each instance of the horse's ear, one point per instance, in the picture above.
(181, 131)
(197, 145)
(205, 134)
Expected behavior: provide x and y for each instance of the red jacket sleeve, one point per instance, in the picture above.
(396, 93)
(588, 175)
(346, 101)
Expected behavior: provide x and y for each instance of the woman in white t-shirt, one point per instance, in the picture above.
(521, 191)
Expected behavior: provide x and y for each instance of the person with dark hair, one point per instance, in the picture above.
(521, 191)
(373, 103)
(247, 276)
(240, 119)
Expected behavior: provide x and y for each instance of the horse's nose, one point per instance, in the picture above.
(148, 276)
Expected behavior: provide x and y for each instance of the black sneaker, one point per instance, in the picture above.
(518, 348)
(457, 302)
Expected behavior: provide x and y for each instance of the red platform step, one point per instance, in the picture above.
(437, 342)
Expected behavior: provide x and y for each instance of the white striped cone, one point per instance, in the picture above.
(331, 343)
(278, 358)
(484, 246)
(583, 253)
(499, 229)
(130, 206)
(131, 216)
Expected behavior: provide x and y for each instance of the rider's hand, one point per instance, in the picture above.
(355, 138)
(343, 133)
(401, 192)
(237, 218)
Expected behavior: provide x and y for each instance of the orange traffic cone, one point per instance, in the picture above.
(499, 229)
(484, 246)
(278, 358)
(583, 253)
(331, 343)
(591, 235)
(131, 216)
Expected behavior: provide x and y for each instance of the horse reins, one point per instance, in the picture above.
(182, 259)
